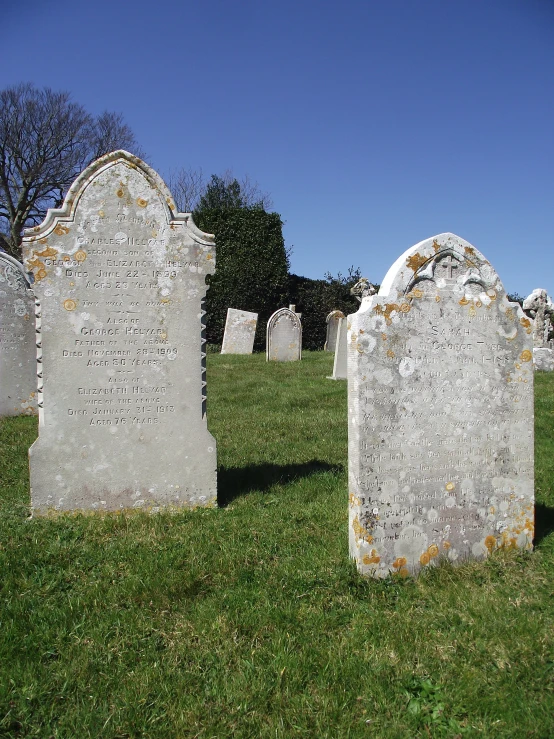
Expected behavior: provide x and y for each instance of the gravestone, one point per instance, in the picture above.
(539, 309)
(332, 320)
(340, 364)
(240, 328)
(440, 388)
(284, 336)
(18, 352)
(120, 277)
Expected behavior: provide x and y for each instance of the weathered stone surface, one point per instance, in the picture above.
(340, 365)
(332, 320)
(284, 336)
(240, 329)
(539, 308)
(18, 353)
(440, 385)
(543, 359)
(120, 277)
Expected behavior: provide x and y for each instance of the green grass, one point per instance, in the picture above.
(249, 620)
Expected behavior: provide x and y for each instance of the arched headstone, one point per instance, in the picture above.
(120, 277)
(284, 336)
(440, 388)
(18, 352)
(240, 330)
(332, 320)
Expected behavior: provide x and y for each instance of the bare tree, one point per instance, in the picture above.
(189, 186)
(46, 139)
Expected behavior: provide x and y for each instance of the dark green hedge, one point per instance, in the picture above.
(251, 267)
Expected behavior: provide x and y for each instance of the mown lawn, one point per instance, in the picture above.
(249, 620)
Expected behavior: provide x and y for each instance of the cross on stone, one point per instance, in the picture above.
(452, 264)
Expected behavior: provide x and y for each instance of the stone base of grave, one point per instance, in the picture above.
(543, 359)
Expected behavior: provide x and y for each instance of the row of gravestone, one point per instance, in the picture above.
(440, 378)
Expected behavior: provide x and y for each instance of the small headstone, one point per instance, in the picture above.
(240, 328)
(440, 385)
(18, 352)
(539, 309)
(333, 320)
(284, 336)
(120, 277)
(341, 352)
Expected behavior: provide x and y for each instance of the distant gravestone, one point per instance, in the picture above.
(240, 329)
(120, 277)
(340, 368)
(333, 320)
(18, 353)
(284, 336)
(440, 385)
(539, 308)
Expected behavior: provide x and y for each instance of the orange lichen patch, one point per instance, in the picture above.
(101, 213)
(384, 337)
(403, 572)
(472, 310)
(66, 257)
(69, 304)
(417, 293)
(436, 246)
(510, 314)
(492, 509)
(120, 193)
(371, 559)
(378, 309)
(478, 303)
(416, 261)
(433, 550)
(81, 255)
(390, 353)
(48, 252)
(390, 308)
(491, 293)
(450, 486)
(446, 545)
(525, 322)
(463, 301)
(405, 307)
(44, 240)
(526, 355)
(469, 250)
(360, 532)
(26, 317)
(35, 263)
(399, 562)
(518, 366)
(437, 298)
(529, 526)
(142, 203)
(41, 274)
(424, 559)
(61, 230)
(209, 256)
(490, 542)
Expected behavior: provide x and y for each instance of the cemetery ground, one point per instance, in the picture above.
(250, 620)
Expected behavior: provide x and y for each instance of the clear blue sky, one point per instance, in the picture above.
(373, 124)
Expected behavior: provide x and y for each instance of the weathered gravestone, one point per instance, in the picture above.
(120, 277)
(18, 352)
(340, 369)
(440, 385)
(539, 308)
(284, 336)
(240, 328)
(332, 320)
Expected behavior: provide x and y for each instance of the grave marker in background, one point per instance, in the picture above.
(120, 277)
(240, 329)
(340, 364)
(440, 385)
(284, 336)
(18, 352)
(332, 320)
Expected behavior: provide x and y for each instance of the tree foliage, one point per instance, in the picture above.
(252, 262)
(46, 140)
(192, 191)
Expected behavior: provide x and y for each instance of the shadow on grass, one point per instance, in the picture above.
(544, 522)
(235, 481)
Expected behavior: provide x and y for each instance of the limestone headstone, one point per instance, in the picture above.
(18, 352)
(120, 277)
(240, 328)
(284, 336)
(332, 320)
(539, 309)
(440, 386)
(340, 369)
